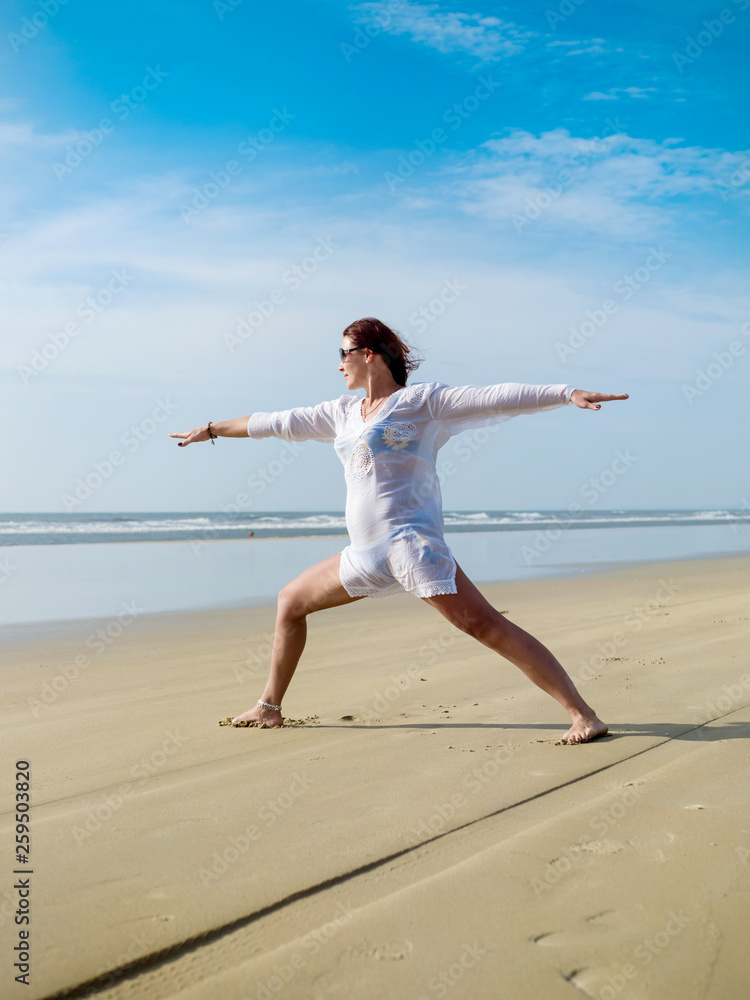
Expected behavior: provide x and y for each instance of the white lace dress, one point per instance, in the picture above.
(394, 510)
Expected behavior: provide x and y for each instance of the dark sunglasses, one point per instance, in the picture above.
(343, 352)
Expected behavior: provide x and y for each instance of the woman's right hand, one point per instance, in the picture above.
(199, 434)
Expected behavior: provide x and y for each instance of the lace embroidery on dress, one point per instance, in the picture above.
(416, 393)
(433, 589)
(361, 461)
(399, 434)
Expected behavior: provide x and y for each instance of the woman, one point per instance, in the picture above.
(388, 443)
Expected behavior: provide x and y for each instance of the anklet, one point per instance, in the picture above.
(274, 708)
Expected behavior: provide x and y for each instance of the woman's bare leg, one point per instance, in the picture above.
(470, 611)
(319, 587)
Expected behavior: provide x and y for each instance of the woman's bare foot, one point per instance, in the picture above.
(584, 729)
(265, 718)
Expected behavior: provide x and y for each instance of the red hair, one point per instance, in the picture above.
(400, 358)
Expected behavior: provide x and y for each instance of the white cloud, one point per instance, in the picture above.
(617, 186)
(588, 50)
(23, 135)
(26, 154)
(591, 46)
(485, 38)
(614, 93)
(569, 43)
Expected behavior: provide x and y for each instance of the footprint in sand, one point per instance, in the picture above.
(556, 938)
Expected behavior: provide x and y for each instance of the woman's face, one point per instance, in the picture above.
(354, 365)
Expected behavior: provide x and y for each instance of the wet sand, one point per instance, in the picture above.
(419, 834)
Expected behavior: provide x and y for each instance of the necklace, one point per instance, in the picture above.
(366, 416)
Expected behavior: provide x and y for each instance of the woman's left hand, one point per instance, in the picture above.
(593, 400)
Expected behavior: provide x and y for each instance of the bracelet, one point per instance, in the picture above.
(275, 708)
(211, 437)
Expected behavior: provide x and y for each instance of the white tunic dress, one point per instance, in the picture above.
(394, 512)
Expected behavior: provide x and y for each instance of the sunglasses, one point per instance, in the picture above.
(343, 352)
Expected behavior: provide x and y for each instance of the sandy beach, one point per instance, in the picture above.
(417, 833)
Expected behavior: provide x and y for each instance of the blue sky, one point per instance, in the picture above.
(538, 192)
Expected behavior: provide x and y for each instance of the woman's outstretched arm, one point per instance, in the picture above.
(224, 428)
(461, 408)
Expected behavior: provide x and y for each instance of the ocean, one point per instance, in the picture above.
(57, 567)
(59, 529)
